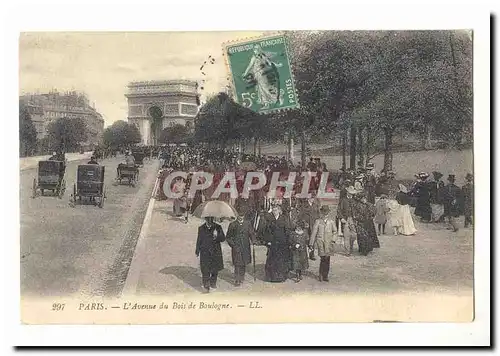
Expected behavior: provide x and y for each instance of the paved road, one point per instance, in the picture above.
(81, 250)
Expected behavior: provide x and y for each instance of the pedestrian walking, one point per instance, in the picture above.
(240, 236)
(452, 198)
(468, 196)
(323, 238)
(208, 248)
(277, 240)
(407, 227)
(299, 239)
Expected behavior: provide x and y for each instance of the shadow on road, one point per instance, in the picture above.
(187, 274)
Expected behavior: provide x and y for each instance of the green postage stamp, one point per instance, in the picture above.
(261, 74)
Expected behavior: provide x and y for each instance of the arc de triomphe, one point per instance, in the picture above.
(154, 105)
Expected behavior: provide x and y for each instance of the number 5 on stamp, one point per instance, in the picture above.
(261, 74)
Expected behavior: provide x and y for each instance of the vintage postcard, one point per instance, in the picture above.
(247, 177)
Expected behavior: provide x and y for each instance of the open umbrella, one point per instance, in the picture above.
(215, 208)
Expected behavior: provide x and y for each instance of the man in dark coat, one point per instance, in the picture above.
(309, 212)
(370, 183)
(208, 248)
(468, 196)
(278, 262)
(240, 235)
(452, 197)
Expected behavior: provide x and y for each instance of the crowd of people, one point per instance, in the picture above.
(297, 230)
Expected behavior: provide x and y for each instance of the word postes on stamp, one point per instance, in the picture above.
(261, 74)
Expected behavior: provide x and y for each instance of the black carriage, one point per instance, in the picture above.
(139, 157)
(127, 173)
(50, 177)
(89, 184)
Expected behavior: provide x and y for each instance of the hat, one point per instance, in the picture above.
(423, 175)
(437, 175)
(469, 177)
(383, 196)
(451, 177)
(403, 189)
(325, 209)
(370, 165)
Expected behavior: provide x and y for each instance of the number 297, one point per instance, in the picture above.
(58, 306)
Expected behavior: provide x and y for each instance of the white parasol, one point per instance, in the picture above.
(215, 208)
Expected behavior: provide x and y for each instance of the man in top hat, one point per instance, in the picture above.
(468, 196)
(422, 193)
(452, 197)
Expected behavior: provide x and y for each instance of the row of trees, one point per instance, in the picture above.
(356, 87)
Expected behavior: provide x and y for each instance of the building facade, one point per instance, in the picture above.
(48, 107)
(155, 105)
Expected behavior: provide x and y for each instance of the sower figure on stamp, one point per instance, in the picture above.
(468, 196)
(240, 235)
(208, 248)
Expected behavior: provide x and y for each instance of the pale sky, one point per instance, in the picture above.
(102, 64)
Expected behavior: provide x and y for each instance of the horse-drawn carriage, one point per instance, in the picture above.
(128, 173)
(89, 184)
(50, 177)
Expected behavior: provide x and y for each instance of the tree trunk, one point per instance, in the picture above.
(303, 149)
(259, 148)
(388, 133)
(427, 137)
(255, 146)
(352, 149)
(361, 161)
(344, 148)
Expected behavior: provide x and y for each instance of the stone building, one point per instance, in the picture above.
(54, 105)
(154, 105)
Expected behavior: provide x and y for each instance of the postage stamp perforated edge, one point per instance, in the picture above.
(244, 40)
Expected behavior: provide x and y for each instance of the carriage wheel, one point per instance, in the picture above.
(33, 193)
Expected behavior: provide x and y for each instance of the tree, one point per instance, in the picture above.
(222, 120)
(121, 134)
(176, 134)
(27, 132)
(67, 134)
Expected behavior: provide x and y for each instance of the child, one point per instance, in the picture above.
(381, 210)
(394, 215)
(298, 244)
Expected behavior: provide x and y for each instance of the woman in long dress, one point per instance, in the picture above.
(363, 213)
(407, 227)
